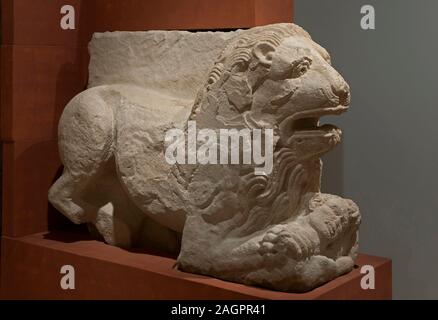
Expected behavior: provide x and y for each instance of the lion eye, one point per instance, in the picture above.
(300, 67)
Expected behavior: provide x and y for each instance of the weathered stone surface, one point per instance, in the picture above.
(174, 63)
(274, 230)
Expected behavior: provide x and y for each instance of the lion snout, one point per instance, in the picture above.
(342, 91)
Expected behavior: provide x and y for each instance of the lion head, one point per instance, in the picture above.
(276, 76)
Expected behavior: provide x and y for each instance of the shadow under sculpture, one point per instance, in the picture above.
(275, 230)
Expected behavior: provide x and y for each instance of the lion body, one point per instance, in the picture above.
(230, 223)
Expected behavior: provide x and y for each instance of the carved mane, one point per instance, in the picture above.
(238, 53)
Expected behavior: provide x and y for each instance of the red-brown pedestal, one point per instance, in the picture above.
(31, 270)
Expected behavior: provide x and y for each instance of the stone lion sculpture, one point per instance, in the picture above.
(275, 230)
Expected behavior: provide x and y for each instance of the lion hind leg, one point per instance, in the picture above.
(86, 137)
(115, 231)
(61, 195)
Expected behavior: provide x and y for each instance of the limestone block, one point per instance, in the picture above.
(267, 226)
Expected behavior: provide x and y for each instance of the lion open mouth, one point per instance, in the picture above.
(307, 122)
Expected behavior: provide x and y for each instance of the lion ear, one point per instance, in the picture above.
(263, 52)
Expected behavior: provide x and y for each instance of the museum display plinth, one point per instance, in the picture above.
(31, 270)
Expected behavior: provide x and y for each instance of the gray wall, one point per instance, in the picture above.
(388, 160)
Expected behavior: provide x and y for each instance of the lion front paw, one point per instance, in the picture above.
(291, 240)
